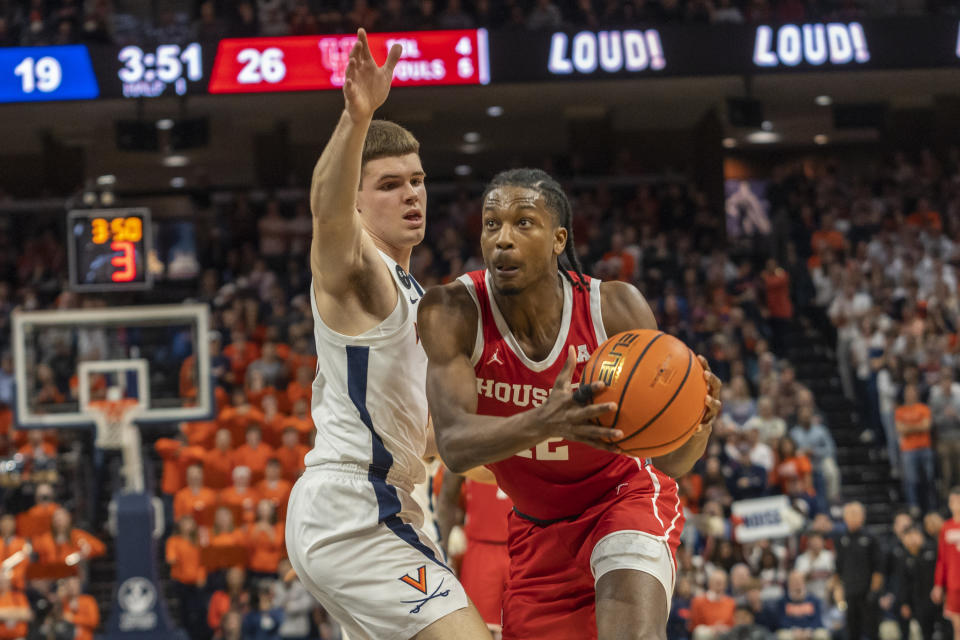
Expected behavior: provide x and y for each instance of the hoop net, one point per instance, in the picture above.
(116, 430)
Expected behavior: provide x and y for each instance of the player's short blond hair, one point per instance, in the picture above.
(387, 139)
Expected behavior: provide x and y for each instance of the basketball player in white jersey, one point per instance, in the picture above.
(354, 532)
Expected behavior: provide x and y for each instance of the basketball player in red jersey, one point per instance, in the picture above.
(485, 564)
(947, 577)
(593, 532)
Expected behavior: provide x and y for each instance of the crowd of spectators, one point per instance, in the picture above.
(870, 246)
(44, 22)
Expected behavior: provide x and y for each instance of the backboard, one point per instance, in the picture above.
(66, 359)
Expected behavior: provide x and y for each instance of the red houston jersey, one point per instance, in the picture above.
(557, 479)
(948, 556)
(487, 509)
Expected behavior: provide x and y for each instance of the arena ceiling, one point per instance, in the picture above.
(533, 117)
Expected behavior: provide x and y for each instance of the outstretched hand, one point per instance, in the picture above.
(367, 84)
(712, 402)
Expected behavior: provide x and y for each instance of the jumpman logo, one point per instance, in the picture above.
(495, 357)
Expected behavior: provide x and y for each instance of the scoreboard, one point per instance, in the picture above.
(108, 249)
(475, 57)
(234, 65)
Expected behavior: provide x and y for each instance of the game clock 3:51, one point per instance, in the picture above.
(148, 73)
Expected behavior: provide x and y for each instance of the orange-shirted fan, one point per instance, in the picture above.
(658, 384)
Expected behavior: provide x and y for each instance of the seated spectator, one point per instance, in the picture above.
(187, 574)
(291, 454)
(800, 615)
(912, 420)
(301, 420)
(270, 366)
(240, 415)
(241, 352)
(789, 393)
(79, 609)
(275, 489)
(791, 464)
(764, 613)
(818, 564)
(240, 498)
(231, 628)
(738, 406)
(745, 626)
(945, 407)
(38, 453)
(15, 612)
(263, 622)
(200, 433)
(173, 452)
(195, 499)
(678, 624)
(711, 613)
(301, 387)
(814, 441)
(272, 421)
(746, 478)
(65, 544)
(760, 452)
(770, 427)
(36, 520)
(218, 464)
(253, 454)
(232, 598)
(296, 603)
(10, 545)
(265, 539)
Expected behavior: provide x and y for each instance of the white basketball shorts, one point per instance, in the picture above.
(356, 543)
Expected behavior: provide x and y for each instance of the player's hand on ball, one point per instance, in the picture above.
(713, 403)
(565, 414)
(366, 84)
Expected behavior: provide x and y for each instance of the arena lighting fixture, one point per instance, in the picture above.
(729, 143)
(89, 198)
(495, 111)
(462, 170)
(763, 137)
(471, 137)
(766, 125)
(107, 180)
(821, 138)
(176, 160)
(470, 149)
(107, 198)
(823, 101)
(165, 124)
(178, 183)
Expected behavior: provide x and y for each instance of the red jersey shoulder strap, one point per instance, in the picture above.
(476, 284)
(586, 301)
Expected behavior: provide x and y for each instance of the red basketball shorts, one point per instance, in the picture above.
(483, 574)
(951, 605)
(552, 585)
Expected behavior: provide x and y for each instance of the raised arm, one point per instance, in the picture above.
(625, 308)
(447, 318)
(336, 251)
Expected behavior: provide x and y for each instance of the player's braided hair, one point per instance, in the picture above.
(557, 203)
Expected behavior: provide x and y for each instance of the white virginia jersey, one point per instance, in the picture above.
(369, 396)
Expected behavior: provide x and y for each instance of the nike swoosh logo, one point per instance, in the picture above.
(414, 300)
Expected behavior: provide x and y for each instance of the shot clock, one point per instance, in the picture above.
(108, 249)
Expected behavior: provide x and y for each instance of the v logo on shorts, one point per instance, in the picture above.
(420, 584)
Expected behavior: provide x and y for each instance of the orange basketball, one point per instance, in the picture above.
(659, 387)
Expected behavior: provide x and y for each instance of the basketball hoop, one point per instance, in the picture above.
(114, 418)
